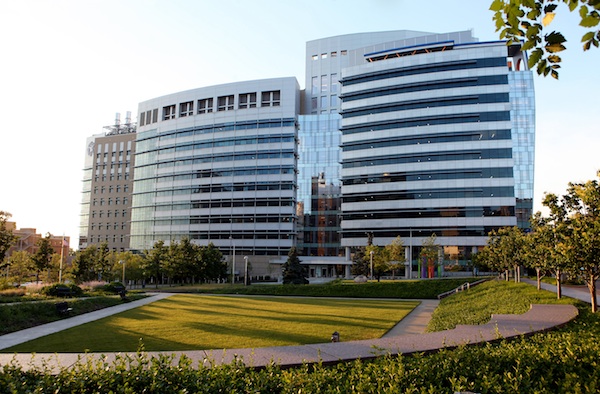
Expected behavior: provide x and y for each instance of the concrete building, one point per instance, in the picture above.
(107, 187)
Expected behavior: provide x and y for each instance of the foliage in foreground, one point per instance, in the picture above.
(564, 361)
(417, 289)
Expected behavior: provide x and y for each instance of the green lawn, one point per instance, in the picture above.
(193, 322)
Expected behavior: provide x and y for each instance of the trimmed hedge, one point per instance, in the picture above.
(59, 289)
(406, 289)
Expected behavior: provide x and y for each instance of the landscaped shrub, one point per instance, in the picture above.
(13, 292)
(114, 287)
(60, 290)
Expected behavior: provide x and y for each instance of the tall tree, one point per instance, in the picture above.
(583, 245)
(396, 255)
(7, 238)
(528, 21)
(214, 265)
(154, 260)
(360, 264)
(430, 253)
(21, 266)
(293, 271)
(43, 256)
(84, 264)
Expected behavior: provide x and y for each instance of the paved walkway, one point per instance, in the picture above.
(405, 338)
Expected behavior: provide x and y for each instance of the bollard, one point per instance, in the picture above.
(335, 337)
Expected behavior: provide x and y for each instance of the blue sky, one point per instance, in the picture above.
(68, 66)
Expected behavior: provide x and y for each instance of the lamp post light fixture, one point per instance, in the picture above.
(371, 253)
(245, 270)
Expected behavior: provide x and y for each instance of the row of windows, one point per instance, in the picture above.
(111, 189)
(495, 116)
(455, 231)
(206, 105)
(437, 138)
(107, 238)
(240, 219)
(426, 86)
(284, 202)
(108, 226)
(452, 212)
(113, 156)
(224, 142)
(232, 187)
(112, 177)
(430, 157)
(458, 65)
(222, 158)
(505, 191)
(324, 55)
(245, 172)
(478, 173)
(117, 201)
(108, 213)
(427, 103)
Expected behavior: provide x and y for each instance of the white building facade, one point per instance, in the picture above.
(429, 144)
(218, 164)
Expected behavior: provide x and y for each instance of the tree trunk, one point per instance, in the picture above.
(506, 275)
(539, 279)
(558, 285)
(592, 287)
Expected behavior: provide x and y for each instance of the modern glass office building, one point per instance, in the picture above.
(218, 164)
(398, 133)
(437, 138)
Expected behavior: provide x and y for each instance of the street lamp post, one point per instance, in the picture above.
(371, 253)
(245, 270)
(122, 262)
(232, 262)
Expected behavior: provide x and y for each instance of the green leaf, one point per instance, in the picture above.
(550, 8)
(497, 5)
(534, 57)
(555, 38)
(583, 11)
(587, 36)
(589, 21)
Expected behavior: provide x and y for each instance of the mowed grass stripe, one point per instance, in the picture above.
(195, 322)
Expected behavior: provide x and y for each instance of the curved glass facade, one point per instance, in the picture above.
(224, 173)
(431, 144)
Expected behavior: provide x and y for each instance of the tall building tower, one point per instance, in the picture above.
(107, 186)
(218, 164)
(437, 138)
(320, 137)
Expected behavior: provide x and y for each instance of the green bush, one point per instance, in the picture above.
(114, 287)
(59, 289)
(406, 289)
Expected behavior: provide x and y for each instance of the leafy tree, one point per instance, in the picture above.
(154, 261)
(84, 264)
(395, 254)
(430, 253)
(294, 272)
(43, 256)
(583, 244)
(104, 261)
(7, 238)
(381, 260)
(538, 248)
(21, 266)
(213, 263)
(360, 265)
(528, 21)
(559, 225)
